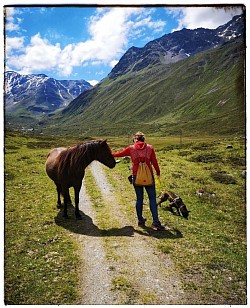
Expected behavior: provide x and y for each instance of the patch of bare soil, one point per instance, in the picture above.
(137, 273)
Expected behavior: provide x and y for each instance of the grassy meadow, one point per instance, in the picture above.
(41, 257)
(210, 250)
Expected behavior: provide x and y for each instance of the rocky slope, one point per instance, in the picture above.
(40, 93)
(176, 46)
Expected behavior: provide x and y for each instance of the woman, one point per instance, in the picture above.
(141, 151)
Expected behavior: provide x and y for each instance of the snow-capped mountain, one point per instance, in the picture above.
(176, 46)
(38, 93)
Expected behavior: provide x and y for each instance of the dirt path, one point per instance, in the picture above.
(137, 273)
(96, 276)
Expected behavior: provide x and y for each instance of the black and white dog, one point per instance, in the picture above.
(175, 202)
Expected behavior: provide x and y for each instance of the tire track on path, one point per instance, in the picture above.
(96, 277)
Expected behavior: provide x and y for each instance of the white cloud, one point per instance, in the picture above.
(12, 22)
(157, 25)
(110, 30)
(37, 56)
(93, 82)
(113, 63)
(205, 17)
(13, 43)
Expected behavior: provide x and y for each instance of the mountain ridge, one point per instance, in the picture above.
(165, 92)
(176, 46)
(202, 88)
(38, 93)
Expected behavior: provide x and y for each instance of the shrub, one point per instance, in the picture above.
(223, 177)
(206, 158)
(237, 160)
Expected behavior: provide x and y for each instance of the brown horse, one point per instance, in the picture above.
(66, 167)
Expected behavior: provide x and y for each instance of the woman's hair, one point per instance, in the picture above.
(139, 136)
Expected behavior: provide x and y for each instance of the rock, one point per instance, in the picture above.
(244, 174)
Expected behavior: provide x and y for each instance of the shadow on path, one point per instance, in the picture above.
(86, 226)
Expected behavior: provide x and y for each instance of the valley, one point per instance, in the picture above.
(186, 95)
(190, 101)
(200, 91)
(202, 260)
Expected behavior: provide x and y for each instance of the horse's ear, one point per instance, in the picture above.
(103, 142)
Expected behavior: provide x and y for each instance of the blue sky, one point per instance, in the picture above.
(86, 42)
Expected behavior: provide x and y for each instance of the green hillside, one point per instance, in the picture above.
(204, 93)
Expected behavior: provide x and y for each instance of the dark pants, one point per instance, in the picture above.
(152, 201)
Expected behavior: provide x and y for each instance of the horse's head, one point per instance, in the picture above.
(105, 156)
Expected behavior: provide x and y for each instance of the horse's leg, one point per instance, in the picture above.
(69, 201)
(66, 198)
(77, 189)
(59, 190)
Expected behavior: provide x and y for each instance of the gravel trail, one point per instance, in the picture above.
(96, 276)
(150, 275)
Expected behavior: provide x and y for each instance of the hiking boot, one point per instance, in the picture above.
(157, 226)
(141, 223)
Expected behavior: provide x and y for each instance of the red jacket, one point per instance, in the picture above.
(137, 152)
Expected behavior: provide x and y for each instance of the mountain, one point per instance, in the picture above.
(176, 46)
(189, 80)
(204, 93)
(39, 94)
